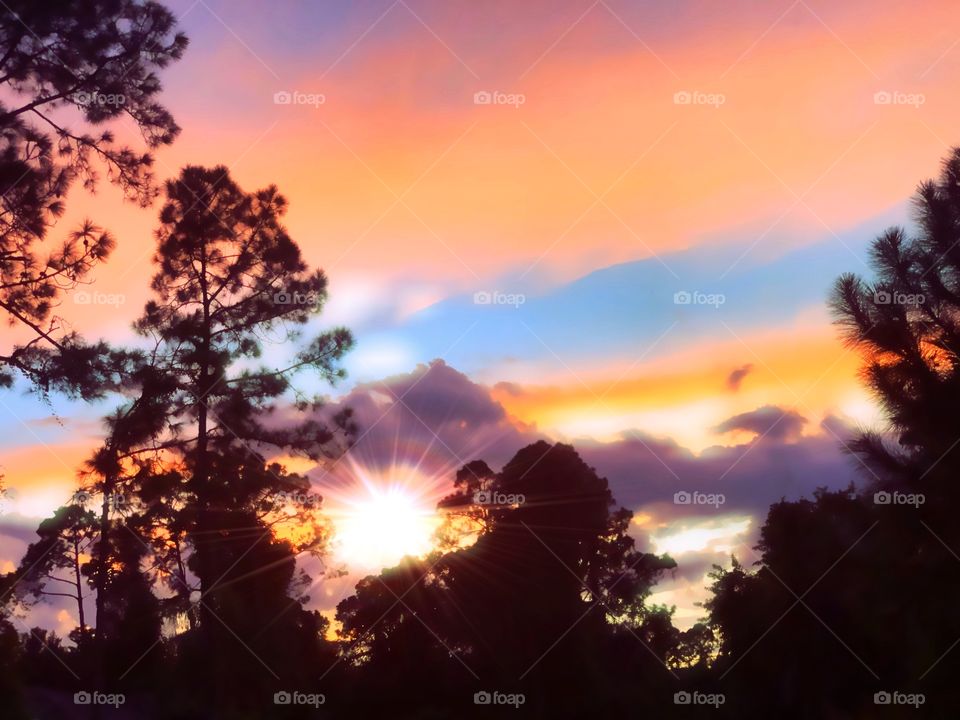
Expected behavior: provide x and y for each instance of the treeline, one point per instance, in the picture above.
(179, 551)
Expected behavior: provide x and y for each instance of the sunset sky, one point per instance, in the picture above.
(741, 151)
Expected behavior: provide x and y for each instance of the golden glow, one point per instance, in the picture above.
(721, 535)
(684, 395)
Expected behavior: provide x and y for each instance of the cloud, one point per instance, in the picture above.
(434, 418)
(737, 376)
(768, 421)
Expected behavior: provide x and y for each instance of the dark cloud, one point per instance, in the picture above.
(439, 395)
(434, 417)
(646, 473)
(768, 422)
(736, 377)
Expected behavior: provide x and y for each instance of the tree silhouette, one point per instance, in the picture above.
(771, 658)
(552, 585)
(228, 277)
(98, 59)
(906, 324)
(866, 577)
(54, 565)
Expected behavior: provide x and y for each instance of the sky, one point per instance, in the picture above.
(608, 223)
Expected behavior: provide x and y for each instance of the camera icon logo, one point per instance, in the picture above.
(682, 298)
(82, 698)
(882, 97)
(682, 498)
(482, 698)
(483, 97)
(682, 97)
(282, 698)
(283, 97)
(682, 698)
(882, 698)
(882, 498)
(882, 297)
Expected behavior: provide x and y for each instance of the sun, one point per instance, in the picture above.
(377, 530)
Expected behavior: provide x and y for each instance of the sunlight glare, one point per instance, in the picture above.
(379, 530)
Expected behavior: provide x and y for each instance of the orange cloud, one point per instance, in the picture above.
(685, 395)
